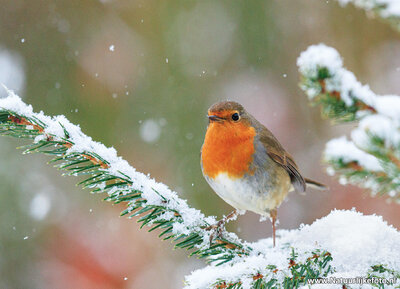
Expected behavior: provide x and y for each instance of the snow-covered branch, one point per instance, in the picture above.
(334, 246)
(371, 159)
(356, 245)
(386, 9)
(105, 172)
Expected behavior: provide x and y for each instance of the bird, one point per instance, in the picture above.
(246, 166)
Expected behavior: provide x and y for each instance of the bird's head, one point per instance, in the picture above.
(228, 113)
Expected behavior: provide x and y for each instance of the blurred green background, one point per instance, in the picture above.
(139, 75)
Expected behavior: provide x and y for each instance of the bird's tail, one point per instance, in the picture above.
(315, 185)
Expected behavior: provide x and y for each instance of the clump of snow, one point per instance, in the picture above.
(385, 8)
(341, 148)
(317, 57)
(376, 125)
(346, 83)
(389, 105)
(14, 103)
(355, 241)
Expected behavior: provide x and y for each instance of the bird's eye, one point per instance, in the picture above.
(235, 116)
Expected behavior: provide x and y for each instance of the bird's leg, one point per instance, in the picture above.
(273, 213)
(220, 225)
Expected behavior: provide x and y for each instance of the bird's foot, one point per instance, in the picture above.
(216, 229)
(219, 227)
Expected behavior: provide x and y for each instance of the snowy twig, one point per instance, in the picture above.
(388, 10)
(372, 158)
(355, 243)
(105, 172)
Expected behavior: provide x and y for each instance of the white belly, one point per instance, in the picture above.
(241, 194)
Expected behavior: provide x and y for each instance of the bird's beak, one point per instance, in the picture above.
(214, 118)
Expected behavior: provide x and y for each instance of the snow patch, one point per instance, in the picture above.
(319, 56)
(355, 241)
(341, 148)
(376, 125)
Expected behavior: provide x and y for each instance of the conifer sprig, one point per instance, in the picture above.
(371, 159)
(298, 273)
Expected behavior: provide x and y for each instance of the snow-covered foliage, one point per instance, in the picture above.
(356, 242)
(109, 173)
(332, 246)
(386, 9)
(371, 158)
(342, 148)
(323, 62)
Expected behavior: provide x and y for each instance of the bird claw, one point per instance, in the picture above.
(216, 229)
(219, 227)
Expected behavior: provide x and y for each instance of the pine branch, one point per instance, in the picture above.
(296, 273)
(355, 243)
(372, 158)
(387, 10)
(153, 203)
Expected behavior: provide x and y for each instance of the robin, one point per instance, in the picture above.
(245, 164)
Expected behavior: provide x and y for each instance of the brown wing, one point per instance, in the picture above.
(276, 152)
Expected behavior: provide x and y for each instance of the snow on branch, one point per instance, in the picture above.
(371, 159)
(356, 244)
(157, 206)
(385, 9)
(332, 246)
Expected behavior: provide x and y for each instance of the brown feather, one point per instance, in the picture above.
(316, 185)
(276, 152)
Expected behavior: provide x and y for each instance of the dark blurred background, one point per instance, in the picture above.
(139, 75)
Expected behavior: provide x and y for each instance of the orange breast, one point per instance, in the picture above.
(229, 148)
